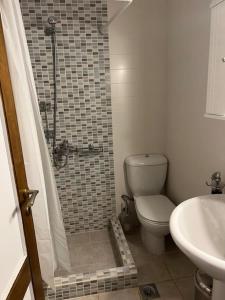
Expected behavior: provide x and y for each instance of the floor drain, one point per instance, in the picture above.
(149, 291)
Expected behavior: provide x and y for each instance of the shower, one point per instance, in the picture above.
(53, 21)
(71, 67)
(62, 150)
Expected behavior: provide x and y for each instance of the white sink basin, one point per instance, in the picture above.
(198, 228)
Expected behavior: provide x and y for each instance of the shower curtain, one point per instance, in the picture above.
(49, 228)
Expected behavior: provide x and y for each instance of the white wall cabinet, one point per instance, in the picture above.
(215, 107)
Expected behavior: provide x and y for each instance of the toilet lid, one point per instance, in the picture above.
(156, 208)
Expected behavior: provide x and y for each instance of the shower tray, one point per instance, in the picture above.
(123, 275)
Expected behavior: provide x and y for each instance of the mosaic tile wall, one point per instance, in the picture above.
(86, 186)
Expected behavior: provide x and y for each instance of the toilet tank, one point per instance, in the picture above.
(146, 173)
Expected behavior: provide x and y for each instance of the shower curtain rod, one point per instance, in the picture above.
(103, 28)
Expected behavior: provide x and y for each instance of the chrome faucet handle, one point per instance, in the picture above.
(216, 176)
(219, 185)
(215, 179)
(216, 184)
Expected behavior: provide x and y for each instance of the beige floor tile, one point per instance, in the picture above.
(128, 294)
(179, 265)
(77, 269)
(168, 291)
(135, 243)
(186, 288)
(103, 266)
(78, 240)
(103, 254)
(81, 256)
(100, 236)
(91, 297)
(153, 271)
(140, 255)
(90, 256)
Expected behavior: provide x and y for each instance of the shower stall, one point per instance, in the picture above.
(69, 50)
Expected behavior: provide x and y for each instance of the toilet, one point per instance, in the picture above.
(146, 176)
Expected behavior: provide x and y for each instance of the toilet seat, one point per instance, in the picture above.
(154, 208)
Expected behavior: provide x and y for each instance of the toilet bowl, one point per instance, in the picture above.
(154, 213)
(146, 175)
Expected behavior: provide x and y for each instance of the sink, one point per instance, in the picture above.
(198, 228)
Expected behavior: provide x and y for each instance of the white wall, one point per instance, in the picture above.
(159, 65)
(138, 54)
(195, 145)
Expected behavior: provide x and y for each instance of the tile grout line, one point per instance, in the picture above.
(174, 281)
(179, 291)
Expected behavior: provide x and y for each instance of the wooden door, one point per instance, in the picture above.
(30, 271)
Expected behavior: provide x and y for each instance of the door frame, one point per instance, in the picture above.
(30, 271)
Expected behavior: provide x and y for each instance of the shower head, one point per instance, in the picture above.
(51, 30)
(53, 21)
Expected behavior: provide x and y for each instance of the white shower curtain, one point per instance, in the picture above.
(49, 228)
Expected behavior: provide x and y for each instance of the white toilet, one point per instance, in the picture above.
(146, 175)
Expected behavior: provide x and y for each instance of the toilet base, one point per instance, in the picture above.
(154, 244)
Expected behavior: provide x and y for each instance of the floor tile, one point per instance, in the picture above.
(179, 265)
(100, 236)
(140, 253)
(90, 252)
(91, 297)
(103, 254)
(80, 239)
(77, 269)
(186, 288)
(127, 294)
(153, 271)
(103, 266)
(168, 291)
(81, 255)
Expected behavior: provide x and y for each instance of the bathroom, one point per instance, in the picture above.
(98, 84)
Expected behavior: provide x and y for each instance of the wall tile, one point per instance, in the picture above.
(86, 184)
(138, 55)
(124, 61)
(124, 76)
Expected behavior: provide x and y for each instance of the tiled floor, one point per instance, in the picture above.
(89, 252)
(128, 294)
(172, 272)
(167, 290)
